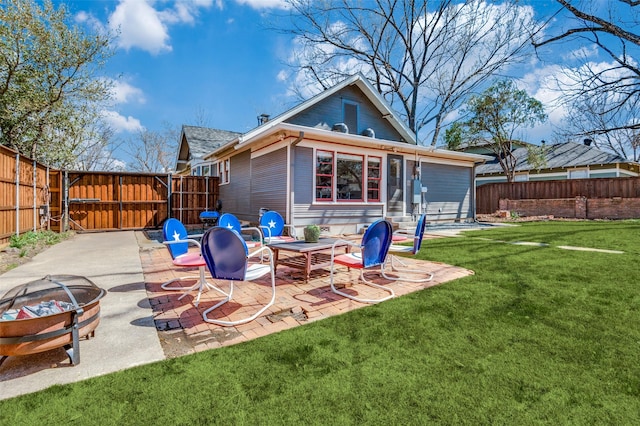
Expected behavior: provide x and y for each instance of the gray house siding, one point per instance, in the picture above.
(328, 112)
(336, 215)
(268, 183)
(306, 213)
(239, 183)
(449, 192)
(303, 176)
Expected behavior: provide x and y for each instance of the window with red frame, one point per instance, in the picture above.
(373, 178)
(349, 177)
(324, 176)
(343, 177)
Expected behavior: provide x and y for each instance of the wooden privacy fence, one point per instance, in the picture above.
(114, 201)
(24, 194)
(488, 196)
(34, 197)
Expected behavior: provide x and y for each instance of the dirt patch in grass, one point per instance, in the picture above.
(498, 218)
(11, 257)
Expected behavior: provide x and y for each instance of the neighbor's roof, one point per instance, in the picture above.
(563, 155)
(203, 140)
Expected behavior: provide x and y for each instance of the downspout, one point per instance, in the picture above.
(292, 177)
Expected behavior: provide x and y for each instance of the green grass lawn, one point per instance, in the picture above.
(539, 335)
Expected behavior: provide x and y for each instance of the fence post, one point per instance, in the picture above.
(65, 201)
(180, 209)
(35, 194)
(47, 199)
(206, 193)
(120, 204)
(169, 194)
(17, 194)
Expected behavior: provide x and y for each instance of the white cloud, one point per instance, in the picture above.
(120, 123)
(87, 18)
(581, 53)
(142, 25)
(548, 84)
(123, 92)
(139, 25)
(146, 24)
(264, 4)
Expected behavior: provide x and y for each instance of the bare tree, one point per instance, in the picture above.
(590, 117)
(201, 117)
(153, 151)
(424, 57)
(95, 151)
(606, 90)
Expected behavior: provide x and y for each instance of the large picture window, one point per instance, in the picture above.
(344, 177)
(349, 177)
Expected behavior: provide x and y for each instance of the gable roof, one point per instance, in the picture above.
(196, 142)
(203, 140)
(278, 126)
(367, 89)
(563, 155)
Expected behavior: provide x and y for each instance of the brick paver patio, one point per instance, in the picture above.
(183, 330)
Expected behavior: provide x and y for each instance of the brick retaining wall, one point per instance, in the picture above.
(578, 207)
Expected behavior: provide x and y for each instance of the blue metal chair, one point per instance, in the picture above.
(413, 249)
(229, 221)
(227, 258)
(177, 241)
(273, 226)
(373, 252)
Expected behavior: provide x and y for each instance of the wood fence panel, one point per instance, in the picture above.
(54, 196)
(23, 193)
(110, 201)
(191, 195)
(95, 200)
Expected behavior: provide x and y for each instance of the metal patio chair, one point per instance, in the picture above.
(177, 241)
(227, 258)
(397, 265)
(373, 252)
(273, 226)
(229, 221)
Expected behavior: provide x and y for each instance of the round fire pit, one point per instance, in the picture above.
(55, 311)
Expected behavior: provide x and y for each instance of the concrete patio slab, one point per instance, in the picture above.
(126, 335)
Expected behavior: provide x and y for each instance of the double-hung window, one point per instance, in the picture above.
(223, 171)
(373, 178)
(324, 176)
(345, 177)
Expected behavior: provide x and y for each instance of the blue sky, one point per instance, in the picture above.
(211, 58)
(178, 59)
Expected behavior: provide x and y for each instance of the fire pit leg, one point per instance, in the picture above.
(73, 350)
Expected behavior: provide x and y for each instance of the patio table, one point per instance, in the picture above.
(307, 256)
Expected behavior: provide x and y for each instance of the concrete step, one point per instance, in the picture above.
(404, 223)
